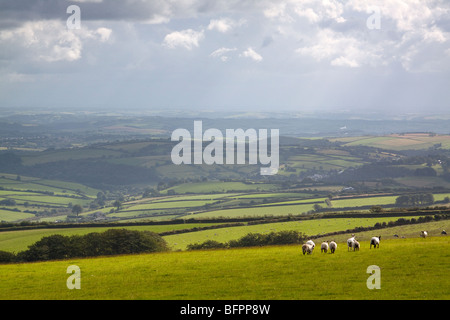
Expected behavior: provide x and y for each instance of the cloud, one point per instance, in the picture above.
(252, 54)
(187, 39)
(222, 53)
(342, 50)
(104, 34)
(221, 25)
(50, 40)
(313, 11)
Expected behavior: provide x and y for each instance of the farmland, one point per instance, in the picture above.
(326, 187)
(267, 273)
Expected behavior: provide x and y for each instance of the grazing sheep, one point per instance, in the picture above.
(423, 234)
(333, 246)
(443, 232)
(307, 248)
(395, 235)
(350, 242)
(311, 243)
(355, 245)
(375, 242)
(324, 247)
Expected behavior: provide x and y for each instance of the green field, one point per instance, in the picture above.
(214, 187)
(397, 142)
(15, 241)
(312, 227)
(410, 269)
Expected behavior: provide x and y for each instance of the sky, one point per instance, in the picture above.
(382, 56)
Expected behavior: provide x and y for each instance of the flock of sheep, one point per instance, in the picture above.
(352, 244)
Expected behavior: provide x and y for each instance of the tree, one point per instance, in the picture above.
(117, 204)
(317, 207)
(101, 198)
(376, 209)
(77, 209)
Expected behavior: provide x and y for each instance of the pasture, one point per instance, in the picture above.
(15, 241)
(411, 269)
(315, 227)
(398, 142)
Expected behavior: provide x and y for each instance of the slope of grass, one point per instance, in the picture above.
(410, 269)
(309, 227)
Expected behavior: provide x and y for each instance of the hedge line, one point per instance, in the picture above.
(254, 240)
(110, 242)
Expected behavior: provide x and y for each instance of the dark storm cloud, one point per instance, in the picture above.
(15, 12)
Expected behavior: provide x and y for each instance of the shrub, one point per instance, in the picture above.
(209, 244)
(254, 240)
(110, 242)
(6, 257)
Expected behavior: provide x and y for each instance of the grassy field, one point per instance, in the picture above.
(309, 227)
(218, 186)
(397, 142)
(412, 269)
(15, 241)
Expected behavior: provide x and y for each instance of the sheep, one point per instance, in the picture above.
(375, 242)
(311, 243)
(443, 232)
(355, 245)
(307, 248)
(423, 234)
(324, 247)
(350, 242)
(333, 246)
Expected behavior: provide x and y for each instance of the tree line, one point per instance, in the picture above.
(110, 242)
(414, 199)
(254, 240)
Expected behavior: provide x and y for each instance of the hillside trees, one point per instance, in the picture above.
(414, 199)
(110, 242)
(77, 209)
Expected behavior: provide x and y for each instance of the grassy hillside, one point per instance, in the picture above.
(410, 269)
(397, 142)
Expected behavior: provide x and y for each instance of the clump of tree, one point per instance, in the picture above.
(254, 240)
(415, 199)
(110, 242)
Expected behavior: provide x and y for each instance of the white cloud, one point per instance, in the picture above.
(50, 40)
(252, 54)
(221, 25)
(344, 62)
(314, 11)
(186, 39)
(222, 53)
(341, 50)
(104, 34)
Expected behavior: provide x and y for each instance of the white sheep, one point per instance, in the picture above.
(311, 243)
(355, 245)
(375, 242)
(333, 246)
(350, 242)
(324, 247)
(307, 248)
(423, 234)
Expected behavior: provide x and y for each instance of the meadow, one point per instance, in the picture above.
(315, 227)
(410, 269)
(398, 142)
